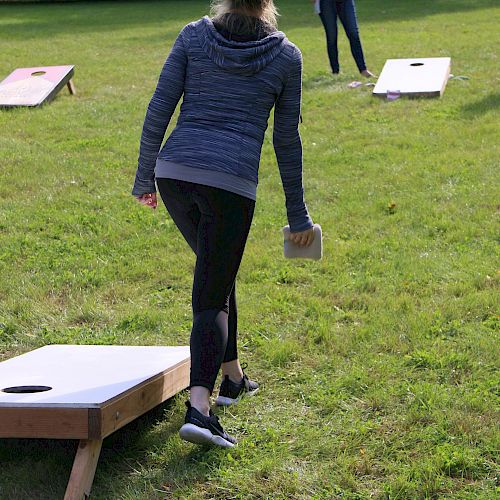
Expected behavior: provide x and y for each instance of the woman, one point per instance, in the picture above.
(231, 70)
(328, 11)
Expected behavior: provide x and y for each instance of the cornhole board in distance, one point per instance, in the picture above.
(423, 77)
(86, 392)
(35, 86)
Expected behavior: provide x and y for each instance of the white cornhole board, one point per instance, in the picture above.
(90, 392)
(420, 77)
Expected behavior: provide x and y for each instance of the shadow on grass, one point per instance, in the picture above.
(41, 21)
(408, 10)
(40, 468)
(297, 13)
(491, 102)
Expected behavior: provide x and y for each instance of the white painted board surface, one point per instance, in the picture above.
(414, 77)
(83, 375)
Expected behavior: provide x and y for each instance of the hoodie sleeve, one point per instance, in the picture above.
(161, 107)
(288, 145)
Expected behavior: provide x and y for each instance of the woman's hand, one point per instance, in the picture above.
(148, 199)
(302, 238)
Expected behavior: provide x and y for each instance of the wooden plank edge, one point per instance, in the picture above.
(46, 423)
(120, 412)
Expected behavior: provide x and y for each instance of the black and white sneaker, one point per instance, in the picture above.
(200, 429)
(230, 392)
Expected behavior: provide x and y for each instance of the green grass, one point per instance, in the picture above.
(379, 364)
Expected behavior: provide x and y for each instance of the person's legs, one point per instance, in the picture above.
(347, 14)
(222, 233)
(328, 17)
(177, 198)
(215, 223)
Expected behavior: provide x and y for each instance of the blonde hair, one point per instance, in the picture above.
(265, 10)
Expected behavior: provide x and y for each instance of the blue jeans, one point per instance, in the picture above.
(345, 10)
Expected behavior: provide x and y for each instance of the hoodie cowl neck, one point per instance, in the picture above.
(245, 58)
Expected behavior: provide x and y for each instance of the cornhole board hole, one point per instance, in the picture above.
(86, 392)
(35, 86)
(424, 77)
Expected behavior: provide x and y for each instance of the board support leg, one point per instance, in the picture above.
(71, 87)
(84, 466)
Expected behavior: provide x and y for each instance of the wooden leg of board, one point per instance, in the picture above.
(71, 87)
(82, 474)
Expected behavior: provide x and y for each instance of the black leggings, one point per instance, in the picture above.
(215, 223)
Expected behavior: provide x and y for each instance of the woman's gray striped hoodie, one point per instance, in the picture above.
(228, 89)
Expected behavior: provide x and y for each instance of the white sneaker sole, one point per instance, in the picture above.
(223, 401)
(198, 435)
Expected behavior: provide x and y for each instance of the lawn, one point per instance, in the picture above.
(378, 364)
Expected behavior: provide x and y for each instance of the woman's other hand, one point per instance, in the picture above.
(148, 199)
(302, 238)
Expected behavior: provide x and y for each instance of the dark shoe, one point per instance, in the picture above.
(200, 429)
(230, 392)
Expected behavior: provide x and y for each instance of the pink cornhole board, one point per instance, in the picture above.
(34, 86)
